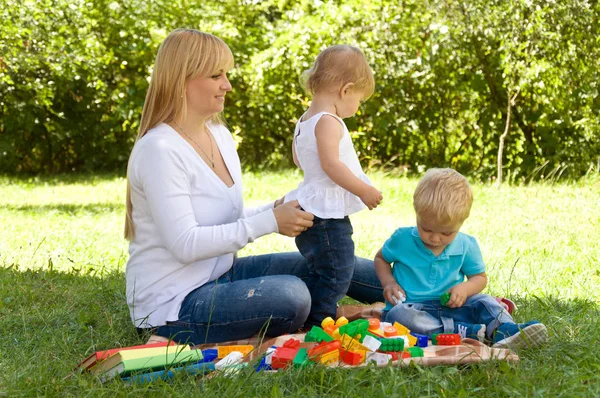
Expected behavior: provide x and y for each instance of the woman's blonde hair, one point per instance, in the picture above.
(337, 66)
(184, 55)
(444, 194)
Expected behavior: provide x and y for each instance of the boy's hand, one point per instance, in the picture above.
(371, 197)
(458, 296)
(393, 293)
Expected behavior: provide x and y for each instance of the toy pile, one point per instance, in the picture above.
(359, 343)
(336, 344)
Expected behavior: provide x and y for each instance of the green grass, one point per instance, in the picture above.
(62, 290)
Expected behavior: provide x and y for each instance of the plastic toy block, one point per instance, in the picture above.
(341, 321)
(351, 344)
(292, 343)
(405, 354)
(377, 333)
(269, 354)
(329, 357)
(223, 351)
(262, 365)
(422, 340)
(209, 355)
(379, 358)
(351, 357)
(327, 321)
(230, 359)
(374, 323)
(415, 352)
(390, 331)
(283, 357)
(447, 339)
(357, 329)
(371, 343)
(434, 338)
(330, 329)
(323, 348)
(402, 330)
(391, 345)
(412, 340)
(301, 358)
(316, 334)
(444, 298)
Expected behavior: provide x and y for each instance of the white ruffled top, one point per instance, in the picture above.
(318, 194)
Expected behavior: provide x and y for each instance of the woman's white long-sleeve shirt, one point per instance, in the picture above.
(188, 223)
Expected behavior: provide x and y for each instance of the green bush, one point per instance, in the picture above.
(73, 77)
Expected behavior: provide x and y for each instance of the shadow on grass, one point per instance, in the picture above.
(66, 208)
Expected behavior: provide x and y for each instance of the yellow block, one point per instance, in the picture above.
(225, 350)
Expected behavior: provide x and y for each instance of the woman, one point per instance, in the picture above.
(186, 219)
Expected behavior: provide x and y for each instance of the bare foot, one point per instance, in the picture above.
(156, 339)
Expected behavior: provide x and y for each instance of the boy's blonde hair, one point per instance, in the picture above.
(444, 194)
(337, 66)
(184, 55)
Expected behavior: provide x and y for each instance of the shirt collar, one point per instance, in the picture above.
(453, 249)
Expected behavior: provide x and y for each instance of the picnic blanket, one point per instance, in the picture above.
(470, 351)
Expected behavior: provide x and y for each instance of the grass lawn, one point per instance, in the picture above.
(62, 290)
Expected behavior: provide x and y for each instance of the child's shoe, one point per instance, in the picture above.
(511, 335)
(470, 330)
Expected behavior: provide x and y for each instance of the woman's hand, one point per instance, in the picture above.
(292, 221)
(279, 202)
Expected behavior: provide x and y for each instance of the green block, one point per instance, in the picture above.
(444, 298)
(395, 345)
(316, 334)
(415, 352)
(360, 326)
(301, 358)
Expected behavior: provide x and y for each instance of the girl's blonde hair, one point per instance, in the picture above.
(444, 194)
(337, 66)
(184, 55)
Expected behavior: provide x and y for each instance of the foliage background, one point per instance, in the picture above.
(73, 77)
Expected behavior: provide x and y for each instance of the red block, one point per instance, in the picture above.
(324, 347)
(350, 357)
(283, 357)
(448, 339)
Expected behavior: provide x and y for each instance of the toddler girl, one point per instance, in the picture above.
(334, 184)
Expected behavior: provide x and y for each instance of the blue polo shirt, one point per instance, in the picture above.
(421, 274)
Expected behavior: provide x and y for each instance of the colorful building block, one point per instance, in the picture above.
(351, 344)
(316, 334)
(379, 358)
(323, 348)
(224, 350)
(402, 330)
(357, 329)
(283, 357)
(390, 331)
(444, 298)
(415, 352)
(301, 358)
(371, 343)
(447, 339)
(422, 340)
(352, 357)
(391, 345)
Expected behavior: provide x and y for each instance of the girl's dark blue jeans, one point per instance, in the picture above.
(328, 249)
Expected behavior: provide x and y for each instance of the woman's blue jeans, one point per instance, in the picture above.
(265, 293)
(429, 317)
(329, 251)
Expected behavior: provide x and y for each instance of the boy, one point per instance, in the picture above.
(433, 258)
